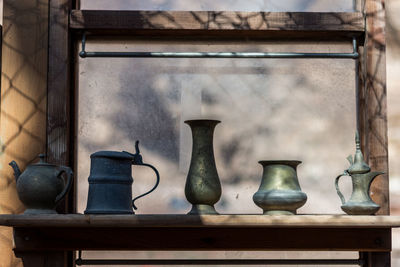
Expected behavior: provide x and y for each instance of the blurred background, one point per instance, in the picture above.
(301, 109)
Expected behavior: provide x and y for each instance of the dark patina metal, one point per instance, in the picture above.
(203, 188)
(360, 203)
(41, 186)
(279, 192)
(110, 182)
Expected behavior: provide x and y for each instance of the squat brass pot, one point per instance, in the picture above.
(279, 192)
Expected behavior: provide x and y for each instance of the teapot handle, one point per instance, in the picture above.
(70, 175)
(337, 187)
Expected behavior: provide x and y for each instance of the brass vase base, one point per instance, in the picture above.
(278, 212)
(202, 209)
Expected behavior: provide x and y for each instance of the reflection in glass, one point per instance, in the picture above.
(224, 5)
(294, 109)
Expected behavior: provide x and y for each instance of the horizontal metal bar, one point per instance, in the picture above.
(85, 54)
(360, 262)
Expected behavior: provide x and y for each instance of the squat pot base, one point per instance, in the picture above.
(202, 209)
(278, 212)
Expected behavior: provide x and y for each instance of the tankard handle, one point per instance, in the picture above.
(70, 175)
(154, 187)
(337, 187)
(137, 160)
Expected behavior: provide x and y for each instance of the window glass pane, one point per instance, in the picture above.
(220, 5)
(270, 109)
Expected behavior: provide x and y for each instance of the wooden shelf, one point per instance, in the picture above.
(265, 25)
(203, 221)
(208, 232)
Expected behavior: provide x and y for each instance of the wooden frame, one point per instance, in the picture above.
(220, 25)
(367, 26)
(43, 238)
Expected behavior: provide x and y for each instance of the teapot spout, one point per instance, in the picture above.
(17, 171)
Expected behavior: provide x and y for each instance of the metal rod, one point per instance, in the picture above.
(357, 85)
(84, 54)
(359, 262)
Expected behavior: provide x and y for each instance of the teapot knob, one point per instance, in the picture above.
(42, 158)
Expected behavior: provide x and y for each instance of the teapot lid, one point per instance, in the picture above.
(358, 165)
(42, 161)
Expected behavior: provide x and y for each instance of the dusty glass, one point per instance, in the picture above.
(224, 5)
(296, 109)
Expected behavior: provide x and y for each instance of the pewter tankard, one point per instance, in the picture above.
(110, 182)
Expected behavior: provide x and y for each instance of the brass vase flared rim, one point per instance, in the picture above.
(292, 163)
(201, 121)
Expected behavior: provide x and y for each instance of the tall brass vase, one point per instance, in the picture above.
(203, 188)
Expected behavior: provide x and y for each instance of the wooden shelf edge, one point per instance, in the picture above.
(204, 221)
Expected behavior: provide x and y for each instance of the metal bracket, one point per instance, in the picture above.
(84, 54)
(202, 262)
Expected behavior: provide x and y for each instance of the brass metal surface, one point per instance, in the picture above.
(360, 203)
(203, 187)
(280, 191)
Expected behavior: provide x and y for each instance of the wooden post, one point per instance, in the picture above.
(23, 102)
(59, 91)
(59, 102)
(372, 101)
(42, 259)
(372, 111)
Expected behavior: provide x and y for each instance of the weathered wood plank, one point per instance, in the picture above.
(41, 259)
(379, 259)
(23, 102)
(372, 101)
(59, 130)
(204, 221)
(221, 23)
(59, 89)
(226, 238)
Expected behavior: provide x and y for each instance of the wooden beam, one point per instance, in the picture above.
(59, 130)
(59, 103)
(23, 102)
(373, 111)
(378, 259)
(216, 20)
(372, 101)
(210, 238)
(213, 23)
(41, 259)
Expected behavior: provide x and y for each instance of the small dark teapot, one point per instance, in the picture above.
(41, 186)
